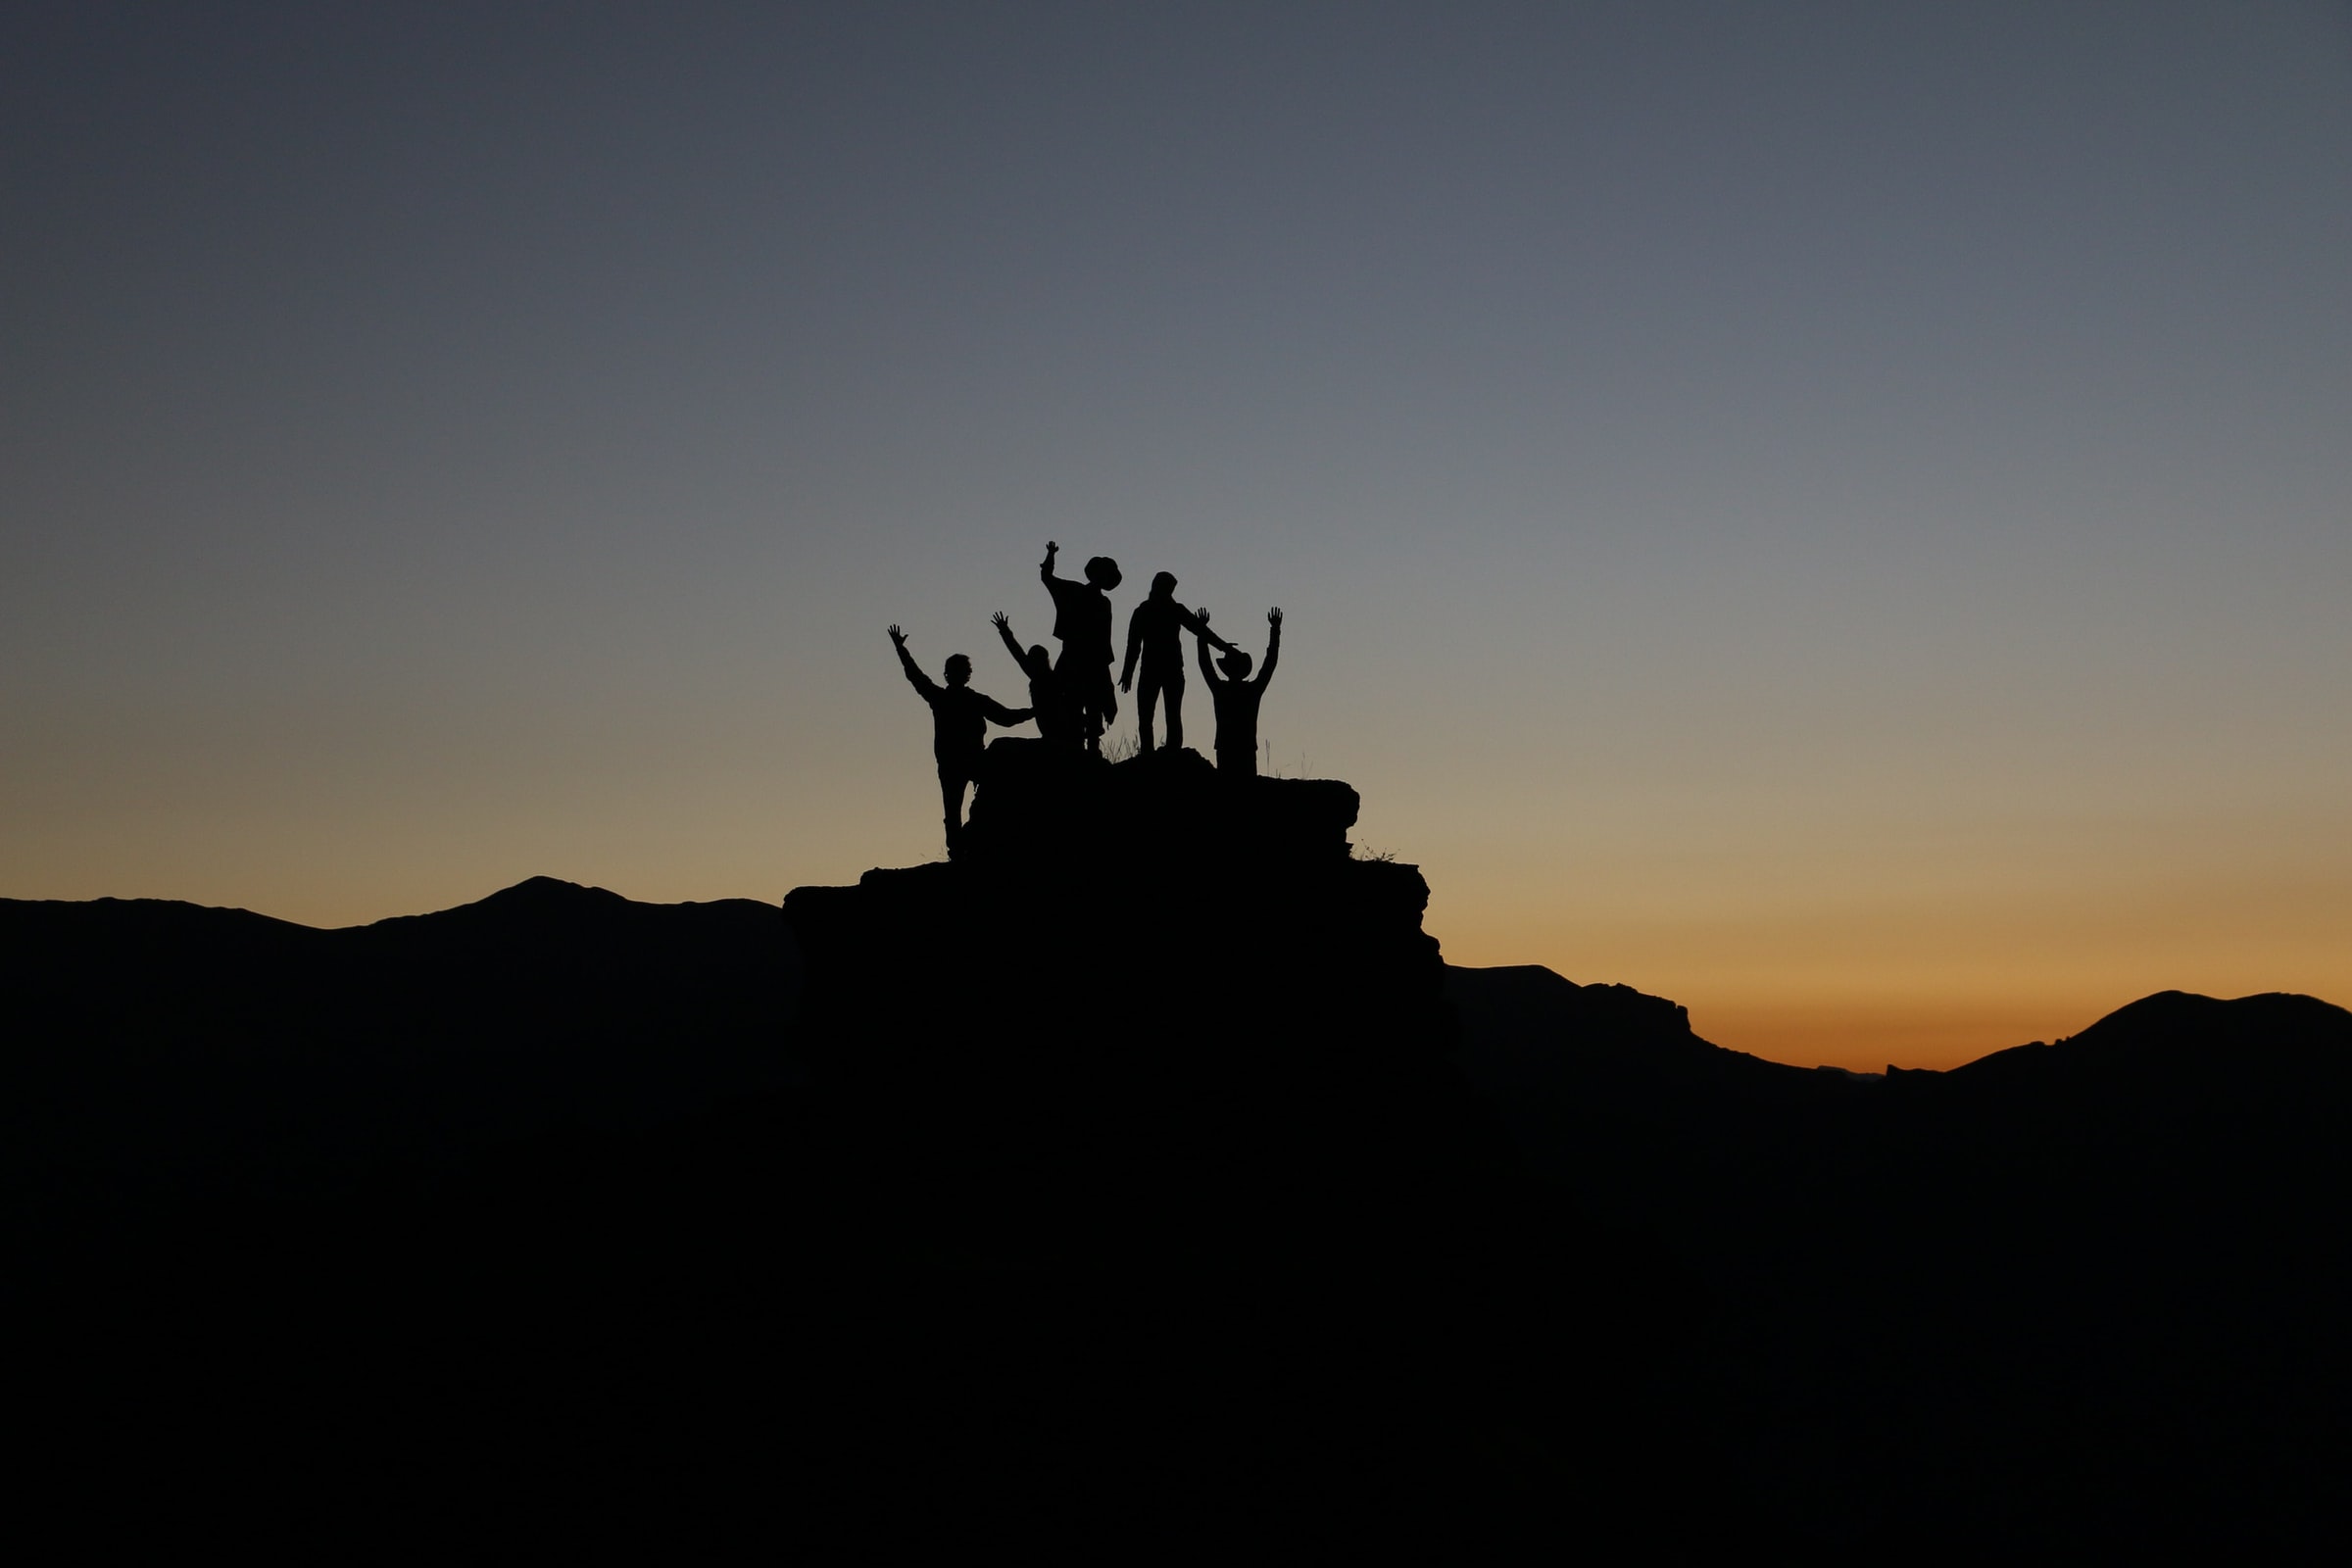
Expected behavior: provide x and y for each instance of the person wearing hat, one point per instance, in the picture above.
(959, 720)
(1237, 698)
(1082, 620)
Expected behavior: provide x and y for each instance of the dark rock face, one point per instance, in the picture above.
(1142, 907)
(1034, 806)
(1148, 978)
(1155, 1042)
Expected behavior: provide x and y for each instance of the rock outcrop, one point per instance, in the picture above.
(1157, 1042)
(1149, 1010)
(1135, 909)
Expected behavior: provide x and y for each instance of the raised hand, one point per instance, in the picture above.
(1274, 616)
(896, 635)
(1202, 614)
(1001, 621)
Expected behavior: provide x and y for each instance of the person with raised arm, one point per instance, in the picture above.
(1237, 698)
(1082, 620)
(959, 720)
(1152, 637)
(1057, 719)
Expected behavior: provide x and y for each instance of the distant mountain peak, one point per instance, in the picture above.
(2264, 1014)
(538, 904)
(2184, 1032)
(544, 889)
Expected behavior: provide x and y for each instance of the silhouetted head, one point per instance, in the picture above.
(1163, 585)
(1038, 664)
(958, 670)
(1103, 572)
(1235, 664)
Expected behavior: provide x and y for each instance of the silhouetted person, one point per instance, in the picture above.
(959, 720)
(1237, 696)
(1049, 699)
(1082, 620)
(1152, 636)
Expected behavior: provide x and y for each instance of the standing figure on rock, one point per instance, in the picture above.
(959, 720)
(1082, 620)
(1049, 700)
(1237, 696)
(1152, 636)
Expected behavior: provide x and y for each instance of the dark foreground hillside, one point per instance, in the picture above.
(1144, 1175)
(160, 1049)
(2086, 1294)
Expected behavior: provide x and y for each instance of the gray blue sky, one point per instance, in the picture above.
(1839, 514)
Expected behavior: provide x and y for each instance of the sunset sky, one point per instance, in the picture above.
(1837, 514)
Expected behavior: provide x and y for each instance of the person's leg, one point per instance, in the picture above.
(1099, 713)
(950, 804)
(1147, 698)
(1173, 691)
(1079, 681)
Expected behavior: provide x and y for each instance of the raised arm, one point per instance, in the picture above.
(1044, 567)
(914, 676)
(1012, 645)
(1197, 622)
(1273, 646)
(1209, 671)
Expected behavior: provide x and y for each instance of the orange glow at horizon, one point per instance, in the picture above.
(1809, 953)
(1916, 982)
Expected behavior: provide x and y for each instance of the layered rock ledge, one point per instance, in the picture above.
(1145, 904)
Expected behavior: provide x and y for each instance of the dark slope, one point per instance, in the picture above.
(1610, 1094)
(363, 1236)
(1148, 1172)
(153, 1045)
(2087, 1291)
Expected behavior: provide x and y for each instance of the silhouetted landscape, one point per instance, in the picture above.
(1143, 1172)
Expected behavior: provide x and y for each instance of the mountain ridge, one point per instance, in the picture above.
(538, 897)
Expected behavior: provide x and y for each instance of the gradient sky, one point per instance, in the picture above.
(1837, 514)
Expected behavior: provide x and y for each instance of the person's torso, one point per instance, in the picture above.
(1081, 618)
(1094, 623)
(958, 722)
(1160, 621)
(1237, 711)
(1051, 701)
